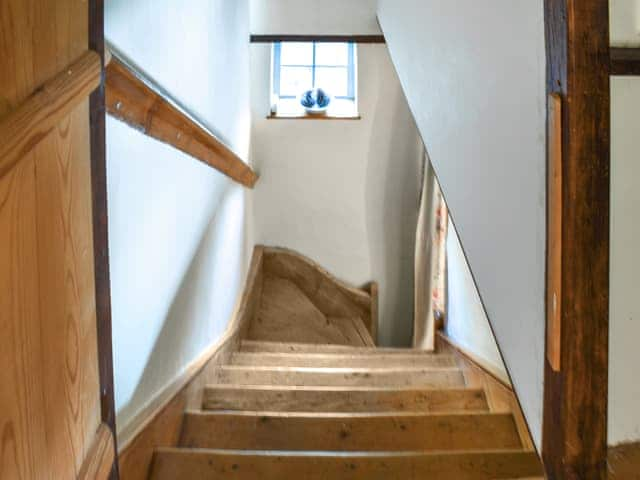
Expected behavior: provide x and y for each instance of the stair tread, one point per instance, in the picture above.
(256, 346)
(171, 463)
(341, 398)
(390, 377)
(334, 359)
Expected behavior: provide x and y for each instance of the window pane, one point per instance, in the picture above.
(332, 54)
(295, 53)
(294, 80)
(333, 80)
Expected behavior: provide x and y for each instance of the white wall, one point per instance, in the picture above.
(624, 321)
(176, 226)
(314, 17)
(467, 324)
(474, 74)
(344, 193)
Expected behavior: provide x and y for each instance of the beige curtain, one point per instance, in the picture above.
(430, 261)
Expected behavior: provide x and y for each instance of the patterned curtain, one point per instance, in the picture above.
(430, 261)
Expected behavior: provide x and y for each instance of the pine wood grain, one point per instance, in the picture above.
(28, 124)
(99, 460)
(171, 464)
(341, 399)
(389, 377)
(349, 432)
(337, 360)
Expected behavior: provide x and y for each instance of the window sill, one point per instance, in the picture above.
(304, 116)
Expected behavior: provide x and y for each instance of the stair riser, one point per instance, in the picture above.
(337, 360)
(349, 400)
(174, 464)
(348, 433)
(445, 378)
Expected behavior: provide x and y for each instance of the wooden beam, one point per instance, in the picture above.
(98, 463)
(135, 101)
(173, 463)
(575, 405)
(400, 431)
(97, 125)
(277, 398)
(625, 61)
(27, 125)
(318, 38)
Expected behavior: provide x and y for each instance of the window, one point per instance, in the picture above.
(302, 66)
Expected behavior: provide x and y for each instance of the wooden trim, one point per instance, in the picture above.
(485, 366)
(97, 123)
(318, 38)
(625, 61)
(136, 101)
(99, 461)
(554, 230)
(624, 461)
(575, 405)
(23, 128)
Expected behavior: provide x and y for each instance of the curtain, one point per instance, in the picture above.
(429, 261)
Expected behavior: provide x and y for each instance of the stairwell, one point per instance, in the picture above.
(324, 410)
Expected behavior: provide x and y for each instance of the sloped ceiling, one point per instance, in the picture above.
(474, 75)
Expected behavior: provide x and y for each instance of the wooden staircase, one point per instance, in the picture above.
(311, 411)
(298, 390)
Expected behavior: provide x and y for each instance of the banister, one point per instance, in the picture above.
(136, 100)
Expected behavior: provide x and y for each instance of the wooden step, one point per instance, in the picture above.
(341, 399)
(175, 463)
(287, 347)
(333, 360)
(349, 432)
(370, 377)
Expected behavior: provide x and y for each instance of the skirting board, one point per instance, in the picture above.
(492, 370)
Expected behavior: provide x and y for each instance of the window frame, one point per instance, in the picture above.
(350, 66)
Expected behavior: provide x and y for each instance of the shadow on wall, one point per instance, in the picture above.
(202, 306)
(392, 193)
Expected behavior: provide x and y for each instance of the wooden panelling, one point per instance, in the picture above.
(99, 461)
(133, 101)
(331, 296)
(287, 314)
(318, 38)
(28, 124)
(171, 464)
(575, 406)
(341, 399)
(49, 401)
(348, 377)
(625, 61)
(554, 230)
(349, 432)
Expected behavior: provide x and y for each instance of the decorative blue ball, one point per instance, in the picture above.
(315, 100)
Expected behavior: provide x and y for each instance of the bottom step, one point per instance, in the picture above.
(174, 463)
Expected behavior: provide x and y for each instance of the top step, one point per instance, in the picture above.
(253, 346)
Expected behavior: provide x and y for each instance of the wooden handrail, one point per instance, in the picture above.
(136, 101)
(98, 463)
(23, 128)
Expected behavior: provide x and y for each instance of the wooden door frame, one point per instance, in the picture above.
(101, 230)
(575, 395)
